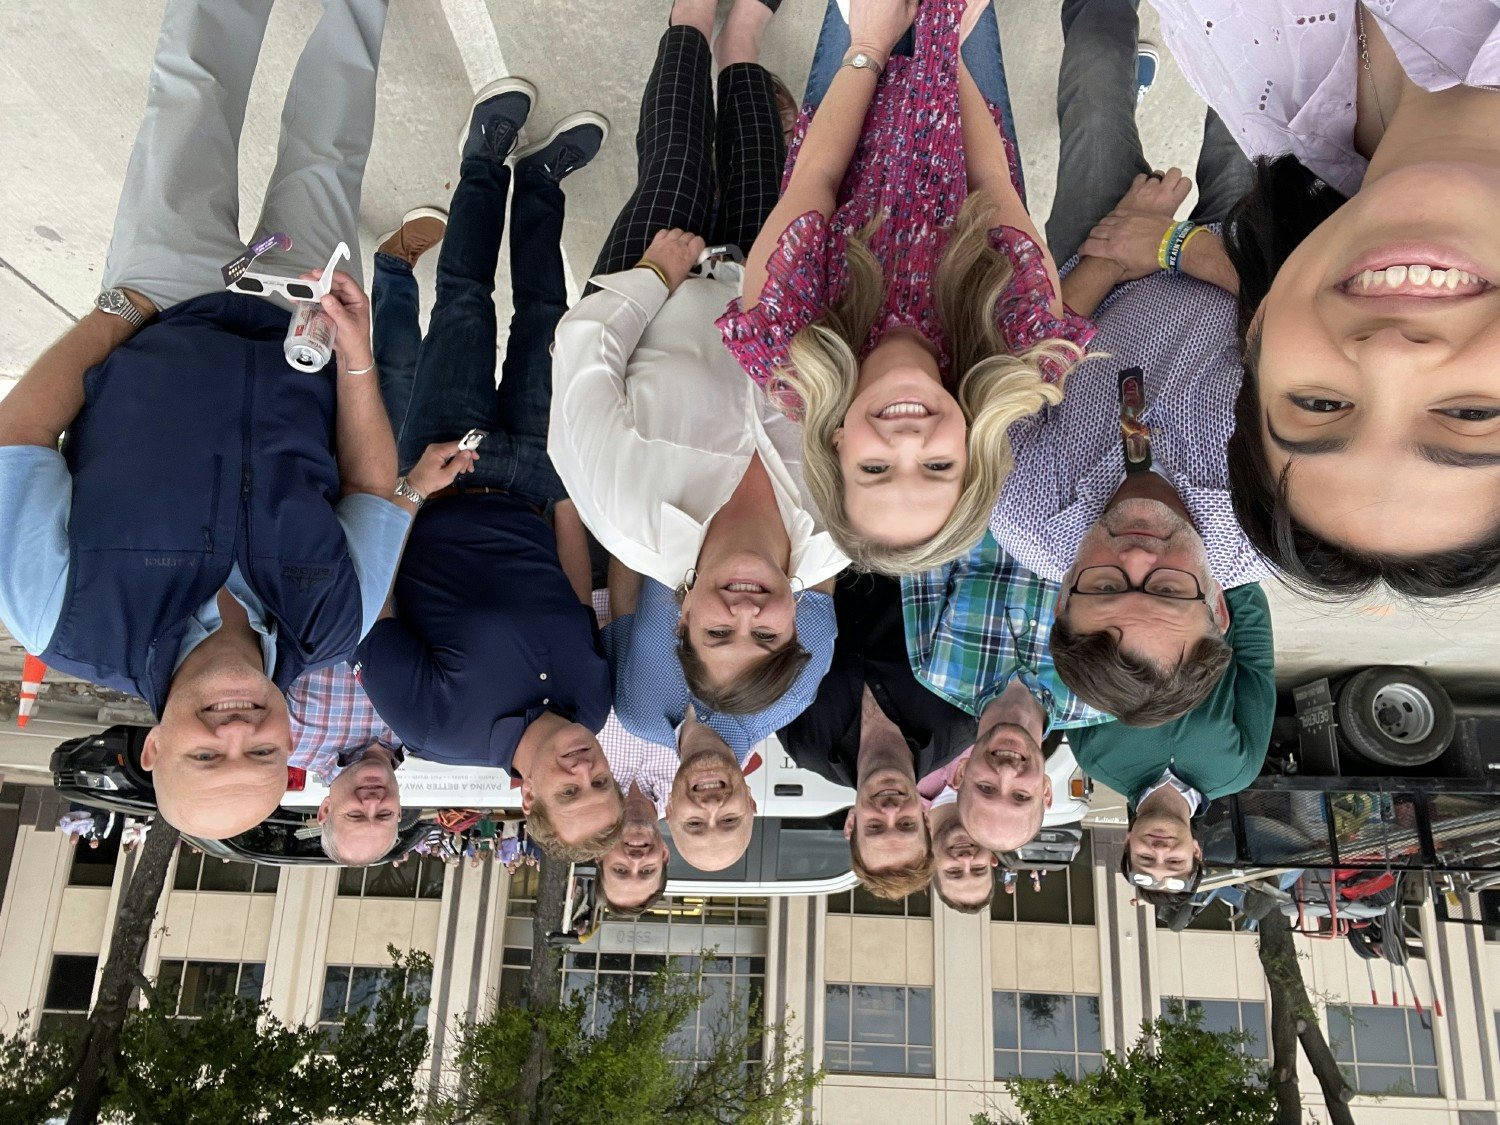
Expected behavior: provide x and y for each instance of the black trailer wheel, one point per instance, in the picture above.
(1395, 716)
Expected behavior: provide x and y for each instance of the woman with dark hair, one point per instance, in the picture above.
(1367, 446)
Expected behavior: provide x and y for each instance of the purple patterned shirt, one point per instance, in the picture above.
(1181, 333)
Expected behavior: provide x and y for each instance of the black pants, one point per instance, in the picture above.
(717, 179)
(1100, 149)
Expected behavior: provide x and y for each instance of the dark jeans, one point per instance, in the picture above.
(1101, 148)
(435, 389)
(981, 55)
(716, 175)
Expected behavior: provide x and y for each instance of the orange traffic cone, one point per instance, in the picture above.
(31, 681)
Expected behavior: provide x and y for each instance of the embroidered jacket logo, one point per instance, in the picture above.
(306, 577)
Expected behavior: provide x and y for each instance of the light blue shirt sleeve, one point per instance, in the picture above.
(376, 530)
(36, 497)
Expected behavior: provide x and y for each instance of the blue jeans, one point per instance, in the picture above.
(981, 55)
(436, 389)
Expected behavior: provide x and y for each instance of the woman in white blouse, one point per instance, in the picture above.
(1367, 447)
(678, 465)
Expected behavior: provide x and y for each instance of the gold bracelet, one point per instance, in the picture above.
(657, 270)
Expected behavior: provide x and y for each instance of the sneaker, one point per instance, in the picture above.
(1146, 63)
(496, 119)
(573, 142)
(421, 229)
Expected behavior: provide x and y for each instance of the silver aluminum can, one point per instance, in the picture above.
(309, 338)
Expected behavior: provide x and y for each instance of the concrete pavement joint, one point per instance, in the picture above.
(37, 289)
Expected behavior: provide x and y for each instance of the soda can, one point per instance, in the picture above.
(309, 338)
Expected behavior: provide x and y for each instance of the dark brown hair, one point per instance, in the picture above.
(630, 913)
(760, 686)
(1135, 691)
(1159, 899)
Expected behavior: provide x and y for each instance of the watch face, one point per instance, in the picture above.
(110, 300)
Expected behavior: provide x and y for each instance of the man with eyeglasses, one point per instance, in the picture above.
(1169, 773)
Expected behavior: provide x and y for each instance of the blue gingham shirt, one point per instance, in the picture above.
(332, 720)
(651, 694)
(980, 622)
(1181, 333)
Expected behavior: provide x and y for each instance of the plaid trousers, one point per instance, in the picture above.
(717, 176)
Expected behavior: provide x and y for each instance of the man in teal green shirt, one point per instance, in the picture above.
(1168, 774)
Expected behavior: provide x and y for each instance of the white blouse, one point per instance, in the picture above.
(1283, 74)
(654, 424)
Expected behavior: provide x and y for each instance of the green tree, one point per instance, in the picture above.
(1176, 1074)
(625, 1073)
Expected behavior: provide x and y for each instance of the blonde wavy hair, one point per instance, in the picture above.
(995, 388)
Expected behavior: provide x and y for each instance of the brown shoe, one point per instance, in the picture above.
(421, 229)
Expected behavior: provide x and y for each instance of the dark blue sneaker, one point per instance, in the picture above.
(496, 120)
(573, 142)
(1147, 61)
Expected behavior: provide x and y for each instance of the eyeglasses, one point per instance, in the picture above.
(1171, 883)
(293, 288)
(1163, 582)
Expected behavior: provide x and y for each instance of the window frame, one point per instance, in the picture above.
(1080, 1053)
(839, 1051)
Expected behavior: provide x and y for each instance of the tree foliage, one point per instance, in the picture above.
(1176, 1074)
(625, 1074)
(238, 1063)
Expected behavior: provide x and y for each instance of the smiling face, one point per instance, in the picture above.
(1162, 846)
(963, 871)
(887, 823)
(710, 810)
(1379, 365)
(1003, 788)
(739, 611)
(218, 757)
(633, 872)
(571, 776)
(1140, 536)
(903, 452)
(361, 815)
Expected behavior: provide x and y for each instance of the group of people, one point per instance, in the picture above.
(838, 445)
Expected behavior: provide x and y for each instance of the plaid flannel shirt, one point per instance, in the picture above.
(980, 622)
(331, 718)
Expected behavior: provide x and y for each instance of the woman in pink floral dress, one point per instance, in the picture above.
(899, 300)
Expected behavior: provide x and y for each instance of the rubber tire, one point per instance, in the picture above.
(1363, 735)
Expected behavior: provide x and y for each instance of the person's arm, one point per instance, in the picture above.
(1204, 257)
(1255, 679)
(50, 395)
(988, 170)
(573, 550)
(624, 589)
(1130, 236)
(362, 433)
(1088, 283)
(833, 134)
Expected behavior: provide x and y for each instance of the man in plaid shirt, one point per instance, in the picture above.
(977, 635)
(338, 737)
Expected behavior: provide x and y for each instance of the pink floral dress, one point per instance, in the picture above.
(909, 168)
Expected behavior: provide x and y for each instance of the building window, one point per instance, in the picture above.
(95, 867)
(861, 901)
(1226, 1015)
(199, 985)
(1063, 898)
(1384, 1051)
(1038, 1034)
(198, 872)
(70, 987)
(606, 982)
(878, 1029)
(419, 877)
(350, 988)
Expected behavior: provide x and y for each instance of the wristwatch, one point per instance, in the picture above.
(114, 302)
(862, 61)
(407, 492)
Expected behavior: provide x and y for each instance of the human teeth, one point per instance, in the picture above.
(904, 409)
(1439, 278)
(746, 588)
(1419, 274)
(1367, 279)
(1454, 277)
(233, 705)
(1395, 276)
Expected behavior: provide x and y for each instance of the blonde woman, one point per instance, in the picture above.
(899, 300)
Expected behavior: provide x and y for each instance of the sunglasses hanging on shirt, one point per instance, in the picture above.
(1135, 435)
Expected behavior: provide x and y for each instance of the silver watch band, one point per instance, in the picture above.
(405, 490)
(115, 303)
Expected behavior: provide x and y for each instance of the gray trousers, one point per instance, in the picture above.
(179, 216)
(1101, 149)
